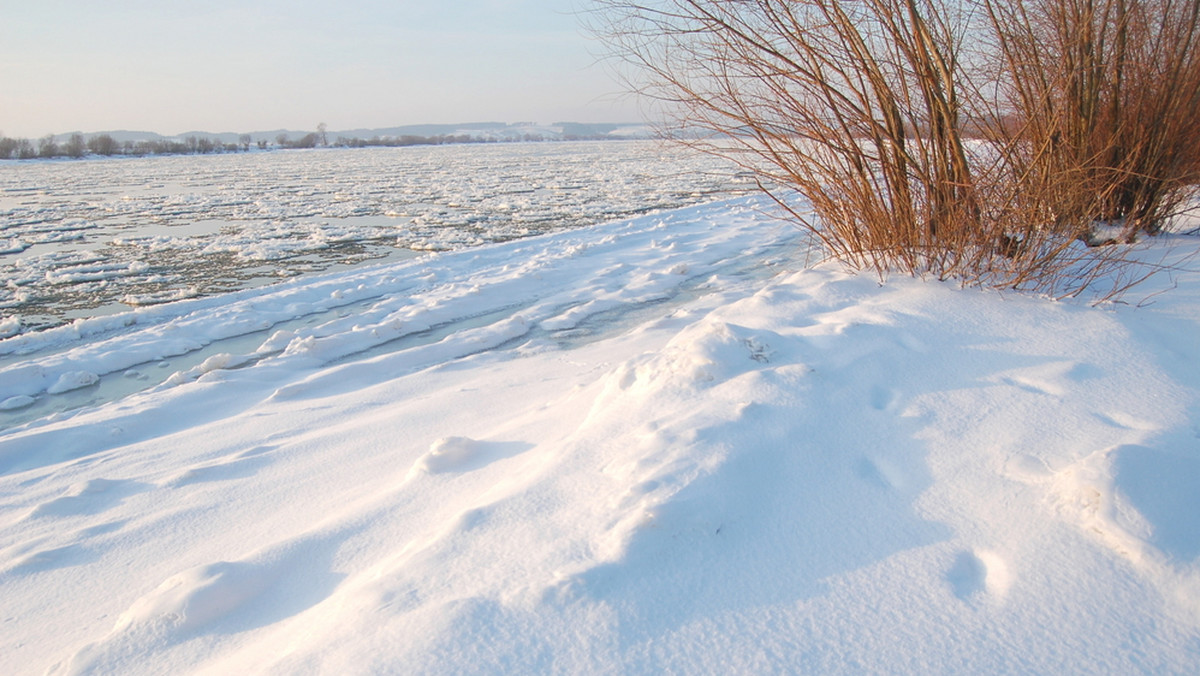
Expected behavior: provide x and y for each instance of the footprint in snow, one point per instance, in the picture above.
(239, 468)
(976, 573)
(883, 398)
(884, 473)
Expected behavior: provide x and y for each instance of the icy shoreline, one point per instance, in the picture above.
(310, 322)
(644, 446)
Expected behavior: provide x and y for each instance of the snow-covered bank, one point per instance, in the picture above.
(640, 447)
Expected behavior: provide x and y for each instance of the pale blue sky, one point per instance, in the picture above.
(172, 66)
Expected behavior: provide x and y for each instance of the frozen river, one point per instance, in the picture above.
(88, 238)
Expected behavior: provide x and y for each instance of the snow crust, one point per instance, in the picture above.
(651, 446)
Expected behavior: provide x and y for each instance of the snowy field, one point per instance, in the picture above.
(656, 445)
(81, 238)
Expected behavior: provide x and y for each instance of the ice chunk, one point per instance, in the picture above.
(73, 380)
(14, 403)
(10, 326)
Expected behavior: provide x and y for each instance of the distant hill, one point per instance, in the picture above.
(497, 131)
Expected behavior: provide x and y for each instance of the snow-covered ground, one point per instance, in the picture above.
(651, 446)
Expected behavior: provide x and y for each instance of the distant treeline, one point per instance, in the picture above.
(104, 145)
(440, 139)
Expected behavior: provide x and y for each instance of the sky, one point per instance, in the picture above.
(174, 66)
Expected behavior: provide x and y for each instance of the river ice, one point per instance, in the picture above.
(84, 238)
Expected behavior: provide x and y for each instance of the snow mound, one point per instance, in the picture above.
(182, 605)
(192, 599)
(448, 454)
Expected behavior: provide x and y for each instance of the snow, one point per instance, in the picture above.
(652, 445)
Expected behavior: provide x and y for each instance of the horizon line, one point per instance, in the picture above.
(464, 125)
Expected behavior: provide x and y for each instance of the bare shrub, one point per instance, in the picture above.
(855, 105)
(1102, 98)
(861, 108)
